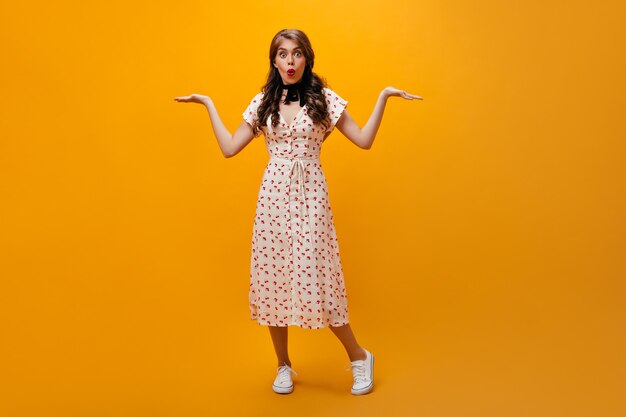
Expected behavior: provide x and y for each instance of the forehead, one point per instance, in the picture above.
(288, 45)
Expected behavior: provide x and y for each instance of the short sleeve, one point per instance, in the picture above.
(250, 114)
(336, 106)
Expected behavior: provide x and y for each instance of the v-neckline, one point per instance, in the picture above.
(295, 119)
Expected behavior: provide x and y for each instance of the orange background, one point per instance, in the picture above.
(482, 237)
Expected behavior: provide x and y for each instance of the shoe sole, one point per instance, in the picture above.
(280, 390)
(369, 388)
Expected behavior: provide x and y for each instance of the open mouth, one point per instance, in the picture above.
(291, 72)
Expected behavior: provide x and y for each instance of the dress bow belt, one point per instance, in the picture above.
(298, 172)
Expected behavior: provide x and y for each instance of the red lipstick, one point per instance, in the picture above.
(291, 72)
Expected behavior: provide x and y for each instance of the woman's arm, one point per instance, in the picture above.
(230, 145)
(364, 137)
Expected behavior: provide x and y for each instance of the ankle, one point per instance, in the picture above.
(359, 356)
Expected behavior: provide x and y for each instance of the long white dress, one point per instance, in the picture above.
(296, 276)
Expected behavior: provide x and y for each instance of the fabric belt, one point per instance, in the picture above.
(299, 170)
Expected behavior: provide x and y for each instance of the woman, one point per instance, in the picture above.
(295, 271)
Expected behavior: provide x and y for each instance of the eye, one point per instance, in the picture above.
(298, 53)
(282, 54)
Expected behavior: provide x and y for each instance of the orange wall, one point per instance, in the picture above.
(482, 237)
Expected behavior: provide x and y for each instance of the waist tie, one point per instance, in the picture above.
(297, 167)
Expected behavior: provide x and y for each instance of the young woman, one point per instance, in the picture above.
(296, 276)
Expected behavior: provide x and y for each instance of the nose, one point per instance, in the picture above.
(290, 59)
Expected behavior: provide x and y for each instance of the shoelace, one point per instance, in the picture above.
(283, 373)
(358, 371)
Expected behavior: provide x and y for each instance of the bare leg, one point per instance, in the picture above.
(345, 335)
(279, 338)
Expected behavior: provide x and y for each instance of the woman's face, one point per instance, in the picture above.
(290, 61)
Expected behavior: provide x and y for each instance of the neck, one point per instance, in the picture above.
(291, 86)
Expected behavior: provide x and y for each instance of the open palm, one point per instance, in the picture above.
(391, 91)
(193, 98)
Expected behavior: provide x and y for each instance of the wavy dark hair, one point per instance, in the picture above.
(312, 85)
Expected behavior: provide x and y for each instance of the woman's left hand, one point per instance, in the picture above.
(391, 91)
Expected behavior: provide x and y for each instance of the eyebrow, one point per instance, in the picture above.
(297, 48)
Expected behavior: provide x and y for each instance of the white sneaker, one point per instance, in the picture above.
(363, 374)
(283, 383)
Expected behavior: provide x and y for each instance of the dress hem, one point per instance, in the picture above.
(299, 324)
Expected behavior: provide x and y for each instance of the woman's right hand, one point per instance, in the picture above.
(193, 98)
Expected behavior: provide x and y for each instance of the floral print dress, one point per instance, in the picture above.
(296, 276)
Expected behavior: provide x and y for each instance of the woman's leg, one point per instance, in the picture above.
(345, 335)
(279, 338)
